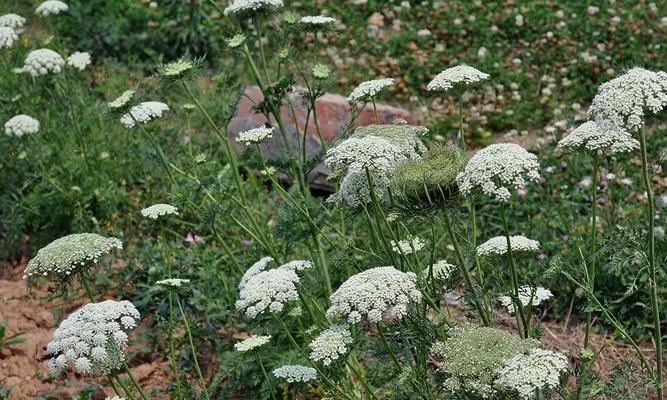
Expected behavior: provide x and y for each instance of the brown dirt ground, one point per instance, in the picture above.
(23, 366)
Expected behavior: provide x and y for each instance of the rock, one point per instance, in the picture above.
(376, 19)
(333, 113)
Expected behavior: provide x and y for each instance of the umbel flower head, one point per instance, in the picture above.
(527, 295)
(261, 290)
(115, 398)
(79, 60)
(13, 21)
(380, 149)
(498, 168)
(184, 68)
(408, 246)
(603, 136)
(321, 71)
(7, 37)
(456, 79)
(173, 283)
(331, 344)
(497, 246)
(317, 20)
(64, 257)
(368, 90)
(625, 100)
(375, 294)
(42, 62)
(536, 370)
(20, 125)
(94, 338)
(471, 358)
(143, 113)
(122, 102)
(256, 135)
(442, 270)
(295, 373)
(245, 7)
(51, 7)
(252, 343)
(158, 210)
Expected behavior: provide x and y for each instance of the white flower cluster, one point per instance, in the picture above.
(21, 124)
(122, 100)
(51, 7)
(42, 62)
(539, 369)
(239, 6)
(602, 136)
(317, 20)
(498, 168)
(176, 69)
(256, 135)
(93, 338)
(157, 210)
(331, 344)
(373, 294)
(376, 153)
(368, 90)
(261, 289)
(79, 60)
(442, 270)
(7, 37)
(144, 113)
(63, 257)
(115, 398)
(252, 343)
(497, 246)
(13, 21)
(625, 100)
(408, 246)
(173, 283)
(527, 295)
(456, 77)
(295, 373)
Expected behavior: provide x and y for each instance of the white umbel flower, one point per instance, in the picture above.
(527, 295)
(376, 153)
(173, 283)
(42, 62)
(295, 373)
(252, 343)
(625, 100)
(539, 369)
(243, 6)
(368, 90)
(51, 7)
(121, 101)
(143, 113)
(93, 338)
(331, 344)
(317, 20)
(374, 294)
(20, 125)
(158, 210)
(13, 21)
(442, 270)
(7, 37)
(79, 60)
(456, 78)
(408, 246)
(267, 290)
(115, 398)
(497, 246)
(64, 257)
(602, 136)
(255, 269)
(298, 265)
(255, 136)
(498, 168)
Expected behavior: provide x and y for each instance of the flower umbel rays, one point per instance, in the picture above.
(93, 338)
(20, 125)
(375, 294)
(64, 257)
(626, 100)
(456, 78)
(498, 168)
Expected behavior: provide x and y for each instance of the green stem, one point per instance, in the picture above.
(653, 266)
(156, 146)
(84, 282)
(388, 348)
(266, 376)
(172, 350)
(461, 130)
(192, 348)
(362, 379)
(375, 111)
(591, 264)
(126, 389)
(134, 380)
(521, 323)
(466, 274)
